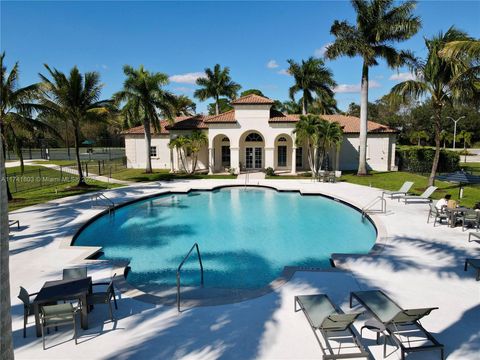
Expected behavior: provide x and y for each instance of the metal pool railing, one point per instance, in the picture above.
(195, 246)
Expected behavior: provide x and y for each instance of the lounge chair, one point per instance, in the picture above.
(402, 191)
(475, 263)
(436, 214)
(425, 197)
(476, 235)
(402, 325)
(332, 324)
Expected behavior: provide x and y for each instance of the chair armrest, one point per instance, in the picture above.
(100, 283)
(32, 294)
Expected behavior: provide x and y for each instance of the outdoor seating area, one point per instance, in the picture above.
(58, 302)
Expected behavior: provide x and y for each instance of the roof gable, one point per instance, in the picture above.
(253, 99)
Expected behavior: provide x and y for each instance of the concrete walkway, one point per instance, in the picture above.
(417, 264)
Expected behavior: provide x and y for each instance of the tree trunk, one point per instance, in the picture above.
(217, 111)
(436, 158)
(304, 106)
(148, 142)
(6, 340)
(81, 179)
(362, 159)
(4, 157)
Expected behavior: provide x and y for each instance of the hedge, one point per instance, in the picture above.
(419, 159)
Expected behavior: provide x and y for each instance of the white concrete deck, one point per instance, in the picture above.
(418, 265)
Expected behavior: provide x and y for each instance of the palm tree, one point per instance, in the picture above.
(446, 137)
(311, 77)
(418, 136)
(6, 340)
(16, 108)
(466, 136)
(438, 78)
(188, 146)
(216, 83)
(330, 135)
(306, 134)
(379, 25)
(74, 98)
(183, 106)
(145, 98)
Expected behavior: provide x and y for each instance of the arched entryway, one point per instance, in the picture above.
(252, 151)
(221, 154)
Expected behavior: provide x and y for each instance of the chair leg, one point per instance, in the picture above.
(110, 308)
(43, 336)
(75, 329)
(115, 301)
(25, 317)
(466, 265)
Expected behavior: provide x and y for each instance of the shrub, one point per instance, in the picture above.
(269, 171)
(419, 159)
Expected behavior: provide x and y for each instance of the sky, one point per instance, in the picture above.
(181, 39)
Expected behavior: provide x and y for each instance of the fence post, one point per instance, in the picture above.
(86, 169)
(14, 182)
(61, 173)
(40, 176)
(99, 168)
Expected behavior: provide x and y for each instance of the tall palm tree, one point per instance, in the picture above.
(379, 25)
(6, 340)
(311, 77)
(74, 98)
(144, 98)
(439, 79)
(16, 108)
(216, 83)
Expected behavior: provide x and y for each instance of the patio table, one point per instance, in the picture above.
(453, 211)
(73, 289)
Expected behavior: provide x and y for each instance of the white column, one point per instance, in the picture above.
(235, 159)
(269, 157)
(211, 161)
(172, 166)
(294, 160)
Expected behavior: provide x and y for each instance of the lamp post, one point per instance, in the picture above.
(455, 128)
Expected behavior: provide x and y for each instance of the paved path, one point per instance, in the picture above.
(418, 265)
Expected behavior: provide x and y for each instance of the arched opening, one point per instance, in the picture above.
(252, 147)
(221, 153)
(283, 152)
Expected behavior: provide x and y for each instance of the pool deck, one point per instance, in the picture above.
(417, 264)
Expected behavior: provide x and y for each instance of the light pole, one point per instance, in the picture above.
(455, 128)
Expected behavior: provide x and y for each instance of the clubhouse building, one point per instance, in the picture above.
(253, 136)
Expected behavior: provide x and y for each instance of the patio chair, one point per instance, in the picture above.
(75, 273)
(437, 215)
(24, 296)
(424, 197)
(333, 324)
(402, 325)
(55, 315)
(104, 297)
(470, 217)
(474, 235)
(475, 263)
(407, 185)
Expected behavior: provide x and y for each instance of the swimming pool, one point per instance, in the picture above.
(246, 236)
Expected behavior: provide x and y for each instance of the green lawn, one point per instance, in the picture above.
(38, 185)
(139, 175)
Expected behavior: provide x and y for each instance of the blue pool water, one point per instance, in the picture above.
(246, 236)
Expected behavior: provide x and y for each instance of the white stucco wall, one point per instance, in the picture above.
(136, 152)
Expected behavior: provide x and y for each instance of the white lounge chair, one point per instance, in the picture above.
(402, 191)
(423, 198)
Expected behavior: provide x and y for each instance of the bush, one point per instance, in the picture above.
(269, 171)
(419, 159)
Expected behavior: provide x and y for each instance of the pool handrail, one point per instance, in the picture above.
(180, 267)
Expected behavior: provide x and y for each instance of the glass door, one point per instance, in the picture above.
(249, 157)
(258, 158)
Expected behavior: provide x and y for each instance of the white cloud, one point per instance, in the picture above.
(102, 66)
(187, 78)
(283, 72)
(355, 88)
(321, 51)
(402, 76)
(272, 64)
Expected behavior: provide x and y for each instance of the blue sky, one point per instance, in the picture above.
(180, 39)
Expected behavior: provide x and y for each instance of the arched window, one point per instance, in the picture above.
(253, 137)
(282, 139)
(225, 139)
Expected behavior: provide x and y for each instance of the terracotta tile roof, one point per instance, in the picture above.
(226, 117)
(252, 99)
(181, 123)
(350, 124)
